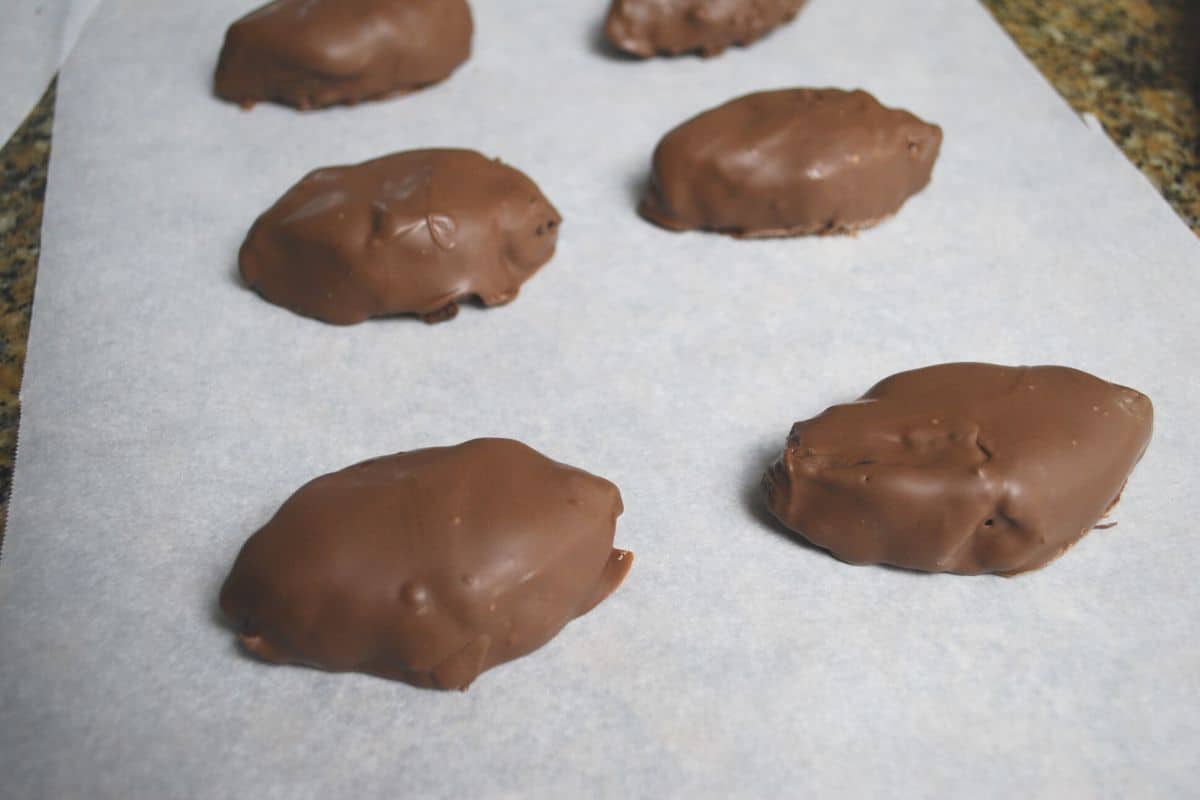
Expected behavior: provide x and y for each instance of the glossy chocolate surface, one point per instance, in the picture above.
(671, 27)
(430, 566)
(790, 162)
(967, 468)
(317, 53)
(411, 233)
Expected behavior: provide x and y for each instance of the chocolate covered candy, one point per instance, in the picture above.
(671, 27)
(414, 232)
(316, 53)
(790, 162)
(428, 567)
(967, 468)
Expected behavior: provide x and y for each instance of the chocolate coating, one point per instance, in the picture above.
(670, 27)
(967, 468)
(790, 162)
(317, 53)
(414, 232)
(428, 567)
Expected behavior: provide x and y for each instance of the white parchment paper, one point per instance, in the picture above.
(168, 411)
(36, 36)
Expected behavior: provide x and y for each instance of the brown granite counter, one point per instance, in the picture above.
(1132, 63)
(1135, 64)
(23, 162)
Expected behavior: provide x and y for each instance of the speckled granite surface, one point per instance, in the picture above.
(23, 164)
(1132, 63)
(1135, 64)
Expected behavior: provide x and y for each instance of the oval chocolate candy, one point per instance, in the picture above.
(966, 468)
(671, 27)
(415, 232)
(317, 53)
(790, 162)
(430, 566)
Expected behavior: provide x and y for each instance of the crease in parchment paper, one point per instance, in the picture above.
(36, 38)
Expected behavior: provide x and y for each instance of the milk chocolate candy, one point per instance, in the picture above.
(316, 53)
(790, 162)
(430, 566)
(967, 468)
(414, 232)
(670, 27)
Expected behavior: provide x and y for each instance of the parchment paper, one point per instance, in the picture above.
(168, 411)
(36, 36)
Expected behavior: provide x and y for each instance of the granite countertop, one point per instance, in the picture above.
(1132, 63)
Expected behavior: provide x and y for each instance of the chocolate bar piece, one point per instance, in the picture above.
(788, 163)
(967, 468)
(317, 53)
(671, 27)
(411, 233)
(430, 566)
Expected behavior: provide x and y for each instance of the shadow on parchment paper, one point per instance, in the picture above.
(598, 43)
(217, 616)
(754, 498)
(636, 185)
(473, 304)
(212, 600)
